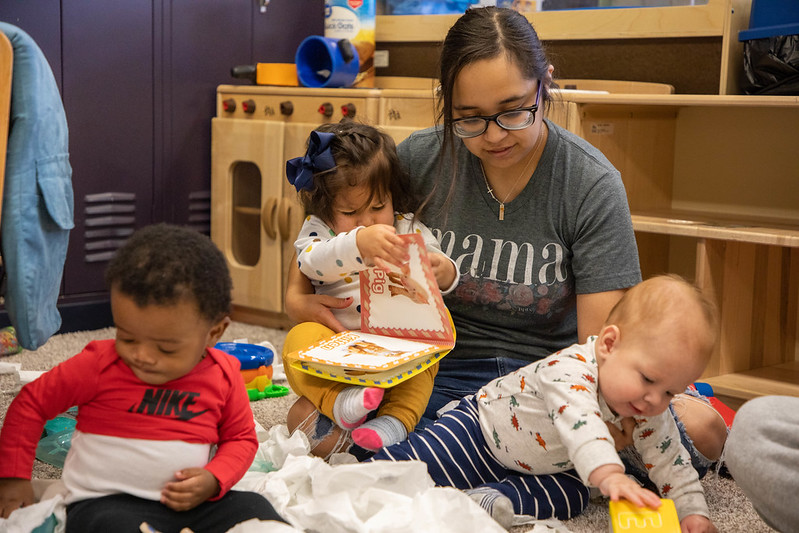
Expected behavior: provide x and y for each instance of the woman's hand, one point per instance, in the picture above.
(622, 437)
(302, 305)
(192, 487)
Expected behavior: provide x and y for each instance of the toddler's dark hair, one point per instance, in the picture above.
(364, 155)
(163, 264)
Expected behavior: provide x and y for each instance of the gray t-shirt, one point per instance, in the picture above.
(569, 232)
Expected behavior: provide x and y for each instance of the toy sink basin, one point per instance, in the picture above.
(250, 356)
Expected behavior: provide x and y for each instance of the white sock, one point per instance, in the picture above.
(495, 503)
(379, 432)
(354, 403)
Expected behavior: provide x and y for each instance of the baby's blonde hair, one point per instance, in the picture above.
(666, 299)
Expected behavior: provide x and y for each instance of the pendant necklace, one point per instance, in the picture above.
(491, 191)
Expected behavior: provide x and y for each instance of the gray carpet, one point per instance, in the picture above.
(730, 509)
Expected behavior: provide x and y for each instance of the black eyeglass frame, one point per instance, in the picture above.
(533, 109)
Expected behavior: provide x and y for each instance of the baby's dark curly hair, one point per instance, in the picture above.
(365, 156)
(165, 264)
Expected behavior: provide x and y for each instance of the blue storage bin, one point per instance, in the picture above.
(769, 18)
(771, 48)
(427, 7)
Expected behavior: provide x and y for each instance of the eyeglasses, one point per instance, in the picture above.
(514, 119)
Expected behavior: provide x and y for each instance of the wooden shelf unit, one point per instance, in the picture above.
(716, 21)
(701, 20)
(712, 185)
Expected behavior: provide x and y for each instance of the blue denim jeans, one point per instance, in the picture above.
(635, 466)
(458, 378)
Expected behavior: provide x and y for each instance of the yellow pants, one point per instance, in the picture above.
(405, 401)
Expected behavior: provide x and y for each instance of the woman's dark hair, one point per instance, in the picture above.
(485, 33)
(164, 264)
(365, 156)
(480, 34)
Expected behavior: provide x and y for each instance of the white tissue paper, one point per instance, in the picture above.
(345, 497)
(379, 497)
(10, 368)
(26, 376)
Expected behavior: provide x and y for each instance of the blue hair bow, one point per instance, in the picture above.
(317, 158)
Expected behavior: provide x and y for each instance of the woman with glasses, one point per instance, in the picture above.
(535, 218)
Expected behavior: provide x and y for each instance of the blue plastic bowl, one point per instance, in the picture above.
(249, 355)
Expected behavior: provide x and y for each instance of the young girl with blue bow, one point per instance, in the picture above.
(358, 200)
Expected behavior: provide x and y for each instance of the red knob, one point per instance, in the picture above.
(326, 109)
(348, 110)
(248, 106)
(229, 105)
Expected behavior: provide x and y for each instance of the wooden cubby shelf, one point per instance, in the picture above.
(699, 225)
(712, 185)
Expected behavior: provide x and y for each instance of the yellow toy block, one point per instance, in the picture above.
(628, 518)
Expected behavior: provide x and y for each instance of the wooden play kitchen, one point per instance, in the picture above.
(255, 215)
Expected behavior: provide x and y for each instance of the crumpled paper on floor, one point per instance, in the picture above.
(344, 497)
(379, 497)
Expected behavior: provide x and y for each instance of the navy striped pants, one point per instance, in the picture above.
(457, 456)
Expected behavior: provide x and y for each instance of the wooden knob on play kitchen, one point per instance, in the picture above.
(348, 110)
(248, 106)
(229, 105)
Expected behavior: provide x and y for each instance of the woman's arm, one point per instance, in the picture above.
(593, 310)
(302, 305)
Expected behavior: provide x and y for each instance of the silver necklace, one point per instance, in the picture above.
(491, 191)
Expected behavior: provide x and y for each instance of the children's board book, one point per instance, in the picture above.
(405, 327)
(628, 518)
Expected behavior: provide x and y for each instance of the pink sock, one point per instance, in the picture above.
(379, 432)
(353, 404)
(367, 439)
(372, 396)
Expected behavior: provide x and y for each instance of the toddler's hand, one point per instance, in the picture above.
(695, 523)
(381, 242)
(14, 493)
(193, 487)
(443, 269)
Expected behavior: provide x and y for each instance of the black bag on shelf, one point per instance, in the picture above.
(771, 65)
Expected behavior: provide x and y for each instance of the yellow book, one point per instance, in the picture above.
(405, 328)
(628, 518)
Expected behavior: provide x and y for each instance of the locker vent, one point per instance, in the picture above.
(200, 211)
(110, 218)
